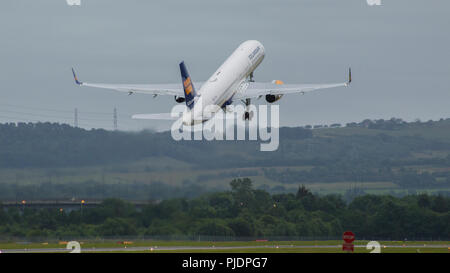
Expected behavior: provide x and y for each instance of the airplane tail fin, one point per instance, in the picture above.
(189, 90)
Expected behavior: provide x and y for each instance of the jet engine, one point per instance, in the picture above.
(273, 98)
(180, 99)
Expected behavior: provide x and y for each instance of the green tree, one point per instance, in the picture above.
(440, 204)
(117, 227)
(242, 192)
(214, 228)
(424, 201)
(241, 227)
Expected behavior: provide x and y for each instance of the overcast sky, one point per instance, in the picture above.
(399, 53)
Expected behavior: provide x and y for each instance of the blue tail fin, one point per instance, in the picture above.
(189, 90)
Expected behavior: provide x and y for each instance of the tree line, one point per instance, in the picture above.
(240, 212)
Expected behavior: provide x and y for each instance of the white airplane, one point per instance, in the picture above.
(231, 82)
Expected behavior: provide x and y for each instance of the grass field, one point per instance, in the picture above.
(176, 173)
(439, 131)
(315, 250)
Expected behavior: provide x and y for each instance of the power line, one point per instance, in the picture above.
(53, 116)
(76, 118)
(33, 114)
(115, 119)
(82, 124)
(36, 108)
(56, 110)
(79, 118)
(20, 119)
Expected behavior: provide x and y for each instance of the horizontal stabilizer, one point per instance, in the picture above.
(158, 116)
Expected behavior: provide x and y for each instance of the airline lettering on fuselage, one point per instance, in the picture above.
(253, 54)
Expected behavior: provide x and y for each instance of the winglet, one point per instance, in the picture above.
(75, 77)
(349, 76)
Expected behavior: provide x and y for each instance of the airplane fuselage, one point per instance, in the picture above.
(230, 77)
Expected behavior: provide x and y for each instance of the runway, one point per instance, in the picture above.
(194, 248)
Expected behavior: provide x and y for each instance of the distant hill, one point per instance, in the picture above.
(375, 143)
(61, 145)
(382, 153)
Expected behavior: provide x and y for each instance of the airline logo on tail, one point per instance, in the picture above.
(189, 90)
(188, 86)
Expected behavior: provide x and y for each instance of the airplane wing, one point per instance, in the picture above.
(174, 89)
(258, 89)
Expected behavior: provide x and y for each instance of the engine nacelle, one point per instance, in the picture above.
(180, 99)
(273, 98)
